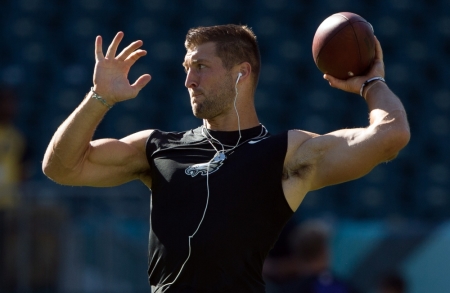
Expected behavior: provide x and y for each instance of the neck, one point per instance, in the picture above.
(227, 141)
(230, 121)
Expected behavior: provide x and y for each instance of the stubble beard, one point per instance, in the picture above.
(216, 102)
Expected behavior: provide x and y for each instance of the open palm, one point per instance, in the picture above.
(111, 71)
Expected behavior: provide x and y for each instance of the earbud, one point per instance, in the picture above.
(239, 76)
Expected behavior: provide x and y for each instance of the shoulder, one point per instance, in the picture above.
(300, 165)
(138, 139)
(297, 136)
(305, 150)
(164, 139)
(158, 140)
(137, 142)
(297, 140)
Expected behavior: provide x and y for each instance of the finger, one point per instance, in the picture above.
(112, 49)
(135, 56)
(378, 64)
(378, 50)
(98, 49)
(344, 85)
(333, 81)
(128, 50)
(141, 82)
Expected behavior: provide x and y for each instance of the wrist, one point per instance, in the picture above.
(372, 89)
(104, 93)
(368, 84)
(100, 99)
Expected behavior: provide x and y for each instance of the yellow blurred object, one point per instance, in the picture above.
(12, 147)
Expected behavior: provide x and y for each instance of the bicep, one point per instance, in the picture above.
(343, 155)
(111, 162)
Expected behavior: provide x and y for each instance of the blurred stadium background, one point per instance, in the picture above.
(66, 239)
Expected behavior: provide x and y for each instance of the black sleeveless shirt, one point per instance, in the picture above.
(246, 209)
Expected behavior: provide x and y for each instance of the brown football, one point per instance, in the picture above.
(344, 45)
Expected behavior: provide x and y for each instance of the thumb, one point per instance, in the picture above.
(141, 82)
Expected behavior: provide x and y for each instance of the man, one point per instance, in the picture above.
(13, 151)
(310, 267)
(13, 167)
(392, 283)
(221, 193)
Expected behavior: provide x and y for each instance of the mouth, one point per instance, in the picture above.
(194, 95)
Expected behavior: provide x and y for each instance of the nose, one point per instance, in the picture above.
(191, 80)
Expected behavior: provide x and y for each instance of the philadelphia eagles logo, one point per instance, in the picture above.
(203, 168)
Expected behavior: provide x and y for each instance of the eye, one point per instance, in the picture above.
(201, 66)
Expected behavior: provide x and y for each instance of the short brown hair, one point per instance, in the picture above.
(234, 44)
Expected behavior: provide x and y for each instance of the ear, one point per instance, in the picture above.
(245, 69)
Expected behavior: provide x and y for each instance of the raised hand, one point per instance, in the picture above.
(111, 71)
(353, 84)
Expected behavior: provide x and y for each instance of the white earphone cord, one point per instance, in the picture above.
(209, 136)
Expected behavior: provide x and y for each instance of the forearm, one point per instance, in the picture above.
(71, 142)
(387, 116)
(384, 105)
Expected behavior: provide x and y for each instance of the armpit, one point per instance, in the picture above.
(300, 171)
(146, 178)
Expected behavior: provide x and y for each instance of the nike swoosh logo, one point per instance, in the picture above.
(256, 141)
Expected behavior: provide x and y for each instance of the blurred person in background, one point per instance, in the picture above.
(392, 283)
(12, 150)
(19, 219)
(13, 171)
(221, 193)
(310, 263)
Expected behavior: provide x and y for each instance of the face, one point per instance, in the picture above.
(210, 85)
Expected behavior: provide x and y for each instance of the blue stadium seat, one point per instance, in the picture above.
(431, 177)
(378, 194)
(320, 203)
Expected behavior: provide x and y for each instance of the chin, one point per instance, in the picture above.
(197, 113)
